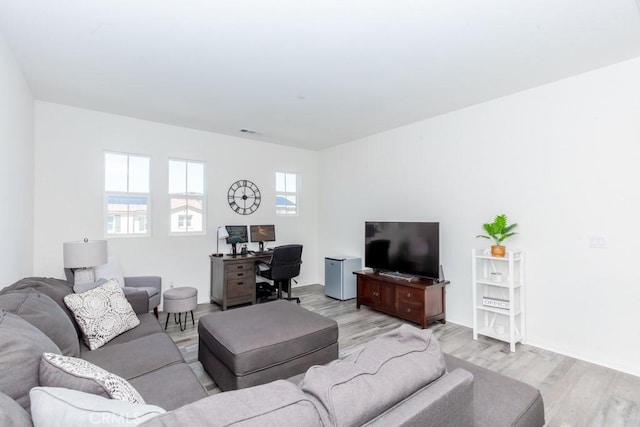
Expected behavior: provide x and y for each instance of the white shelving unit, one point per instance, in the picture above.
(505, 324)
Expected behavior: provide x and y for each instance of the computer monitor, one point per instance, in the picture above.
(237, 234)
(263, 233)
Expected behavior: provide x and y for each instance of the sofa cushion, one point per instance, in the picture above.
(512, 402)
(20, 350)
(78, 374)
(43, 313)
(60, 407)
(184, 386)
(12, 414)
(354, 390)
(149, 325)
(102, 313)
(137, 357)
(274, 404)
(55, 289)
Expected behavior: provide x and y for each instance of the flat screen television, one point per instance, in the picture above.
(405, 247)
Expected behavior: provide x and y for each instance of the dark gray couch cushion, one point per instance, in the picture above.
(148, 326)
(55, 289)
(238, 338)
(20, 351)
(446, 402)
(78, 374)
(12, 414)
(170, 387)
(274, 404)
(135, 358)
(43, 313)
(354, 390)
(499, 400)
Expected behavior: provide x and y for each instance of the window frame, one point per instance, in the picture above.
(296, 193)
(202, 198)
(107, 194)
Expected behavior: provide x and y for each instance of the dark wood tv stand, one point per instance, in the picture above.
(419, 300)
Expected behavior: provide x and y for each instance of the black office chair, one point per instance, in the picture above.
(282, 268)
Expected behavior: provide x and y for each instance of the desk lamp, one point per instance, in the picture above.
(222, 234)
(82, 257)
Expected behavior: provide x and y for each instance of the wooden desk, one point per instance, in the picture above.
(421, 301)
(233, 279)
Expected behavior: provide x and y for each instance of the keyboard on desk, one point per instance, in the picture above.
(263, 253)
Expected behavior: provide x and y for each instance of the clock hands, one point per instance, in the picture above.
(246, 191)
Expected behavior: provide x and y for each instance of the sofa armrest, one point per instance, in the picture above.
(138, 299)
(144, 282)
(448, 401)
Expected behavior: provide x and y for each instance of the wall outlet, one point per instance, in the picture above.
(597, 242)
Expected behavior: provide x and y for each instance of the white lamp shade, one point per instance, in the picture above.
(222, 233)
(84, 254)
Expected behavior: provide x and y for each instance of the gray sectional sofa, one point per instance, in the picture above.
(401, 378)
(145, 356)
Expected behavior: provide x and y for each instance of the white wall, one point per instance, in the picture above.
(16, 171)
(70, 143)
(562, 160)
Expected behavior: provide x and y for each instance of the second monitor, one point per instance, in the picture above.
(261, 234)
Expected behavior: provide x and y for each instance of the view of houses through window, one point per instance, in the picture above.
(186, 196)
(286, 193)
(127, 198)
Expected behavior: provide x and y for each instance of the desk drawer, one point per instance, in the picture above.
(240, 274)
(240, 266)
(240, 287)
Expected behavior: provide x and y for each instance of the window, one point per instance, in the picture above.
(287, 193)
(186, 196)
(127, 198)
(184, 221)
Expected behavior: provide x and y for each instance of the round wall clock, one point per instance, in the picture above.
(244, 197)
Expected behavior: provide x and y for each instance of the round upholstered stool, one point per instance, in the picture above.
(178, 301)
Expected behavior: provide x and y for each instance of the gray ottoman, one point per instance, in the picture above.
(261, 343)
(178, 301)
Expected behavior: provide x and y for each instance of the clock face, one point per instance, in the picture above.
(244, 197)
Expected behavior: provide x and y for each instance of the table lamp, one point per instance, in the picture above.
(83, 256)
(222, 234)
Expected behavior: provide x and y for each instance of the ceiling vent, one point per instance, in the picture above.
(249, 131)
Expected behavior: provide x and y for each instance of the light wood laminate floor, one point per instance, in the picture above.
(575, 393)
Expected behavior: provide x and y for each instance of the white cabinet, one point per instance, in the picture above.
(498, 296)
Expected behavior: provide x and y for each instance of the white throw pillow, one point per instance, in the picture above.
(61, 407)
(102, 313)
(78, 374)
(110, 271)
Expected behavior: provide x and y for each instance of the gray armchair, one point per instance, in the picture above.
(151, 285)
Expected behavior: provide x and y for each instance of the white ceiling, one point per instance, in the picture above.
(306, 73)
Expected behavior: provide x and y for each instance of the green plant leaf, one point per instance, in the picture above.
(498, 230)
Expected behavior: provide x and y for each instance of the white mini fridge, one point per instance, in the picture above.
(339, 280)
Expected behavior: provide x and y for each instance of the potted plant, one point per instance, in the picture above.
(498, 230)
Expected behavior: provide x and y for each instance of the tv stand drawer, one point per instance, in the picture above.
(421, 301)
